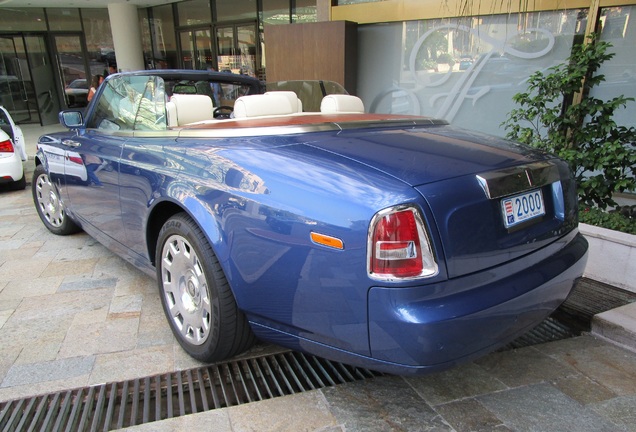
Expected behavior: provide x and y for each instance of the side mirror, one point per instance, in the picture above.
(72, 119)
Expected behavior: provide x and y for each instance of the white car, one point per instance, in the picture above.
(12, 152)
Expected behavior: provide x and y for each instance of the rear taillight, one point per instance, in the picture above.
(6, 146)
(399, 247)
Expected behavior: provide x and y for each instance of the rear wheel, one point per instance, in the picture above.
(49, 205)
(195, 294)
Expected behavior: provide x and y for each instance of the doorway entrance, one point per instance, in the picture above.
(196, 48)
(236, 48)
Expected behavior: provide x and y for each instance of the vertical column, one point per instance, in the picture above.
(124, 23)
(323, 10)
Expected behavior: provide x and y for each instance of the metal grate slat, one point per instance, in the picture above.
(38, 413)
(10, 425)
(25, 415)
(204, 397)
(290, 371)
(112, 406)
(212, 386)
(88, 406)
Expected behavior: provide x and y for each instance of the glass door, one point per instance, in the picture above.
(16, 86)
(43, 82)
(236, 48)
(72, 69)
(196, 49)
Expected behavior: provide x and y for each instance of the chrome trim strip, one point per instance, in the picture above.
(497, 184)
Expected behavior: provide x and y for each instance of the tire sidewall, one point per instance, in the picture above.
(67, 226)
(183, 226)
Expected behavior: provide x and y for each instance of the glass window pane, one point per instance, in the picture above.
(620, 72)
(305, 11)
(71, 61)
(225, 50)
(464, 70)
(276, 12)
(146, 41)
(194, 12)
(232, 10)
(164, 42)
(203, 49)
(246, 39)
(63, 19)
(187, 50)
(99, 40)
(25, 19)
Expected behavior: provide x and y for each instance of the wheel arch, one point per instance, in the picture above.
(164, 210)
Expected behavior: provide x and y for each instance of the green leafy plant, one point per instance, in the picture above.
(601, 154)
(621, 219)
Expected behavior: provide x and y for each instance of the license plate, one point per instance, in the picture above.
(523, 207)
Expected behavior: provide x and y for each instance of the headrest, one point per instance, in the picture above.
(261, 105)
(295, 102)
(339, 103)
(192, 108)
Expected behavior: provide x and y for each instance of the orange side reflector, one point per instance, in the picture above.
(326, 240)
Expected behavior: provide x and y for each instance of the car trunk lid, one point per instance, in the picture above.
(468, 179)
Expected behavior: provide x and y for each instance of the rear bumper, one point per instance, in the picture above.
(11, 168)
(419, 329)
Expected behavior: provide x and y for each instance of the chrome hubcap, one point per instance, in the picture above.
(49, 201)
(185, 290)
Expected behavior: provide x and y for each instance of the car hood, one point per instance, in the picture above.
(429, 154)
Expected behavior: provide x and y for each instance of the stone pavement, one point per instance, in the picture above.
(72, 314)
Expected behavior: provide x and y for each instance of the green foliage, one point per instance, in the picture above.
(601, 154)
(615, 220)
(429, 64)
(446, 58)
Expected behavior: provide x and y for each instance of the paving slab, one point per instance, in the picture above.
(541, 407)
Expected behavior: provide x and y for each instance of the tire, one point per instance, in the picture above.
(196, 296)
(49, 205)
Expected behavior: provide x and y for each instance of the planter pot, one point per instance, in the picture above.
(612, 257)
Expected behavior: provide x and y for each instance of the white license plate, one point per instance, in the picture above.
(523, 207)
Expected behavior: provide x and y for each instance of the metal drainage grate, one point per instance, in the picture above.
(143, 400)
(549, 330)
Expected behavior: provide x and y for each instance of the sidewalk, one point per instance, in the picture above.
(72, 315)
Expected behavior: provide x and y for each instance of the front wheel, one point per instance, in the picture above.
(195, 294)
(49, 205)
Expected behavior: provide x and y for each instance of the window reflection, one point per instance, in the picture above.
(464, 70)
(63, 19)
(99, 40)
(620, 71)
(164, 43)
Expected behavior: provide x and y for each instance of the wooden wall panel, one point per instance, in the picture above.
(322, 50)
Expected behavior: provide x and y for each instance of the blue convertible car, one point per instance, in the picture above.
(396, 243)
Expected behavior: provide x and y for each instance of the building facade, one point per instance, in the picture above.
(462, 61)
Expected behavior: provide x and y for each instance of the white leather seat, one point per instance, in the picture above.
(189, 108)
(340, 103)
(296, 104)
(262, 105)
(171, 110)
